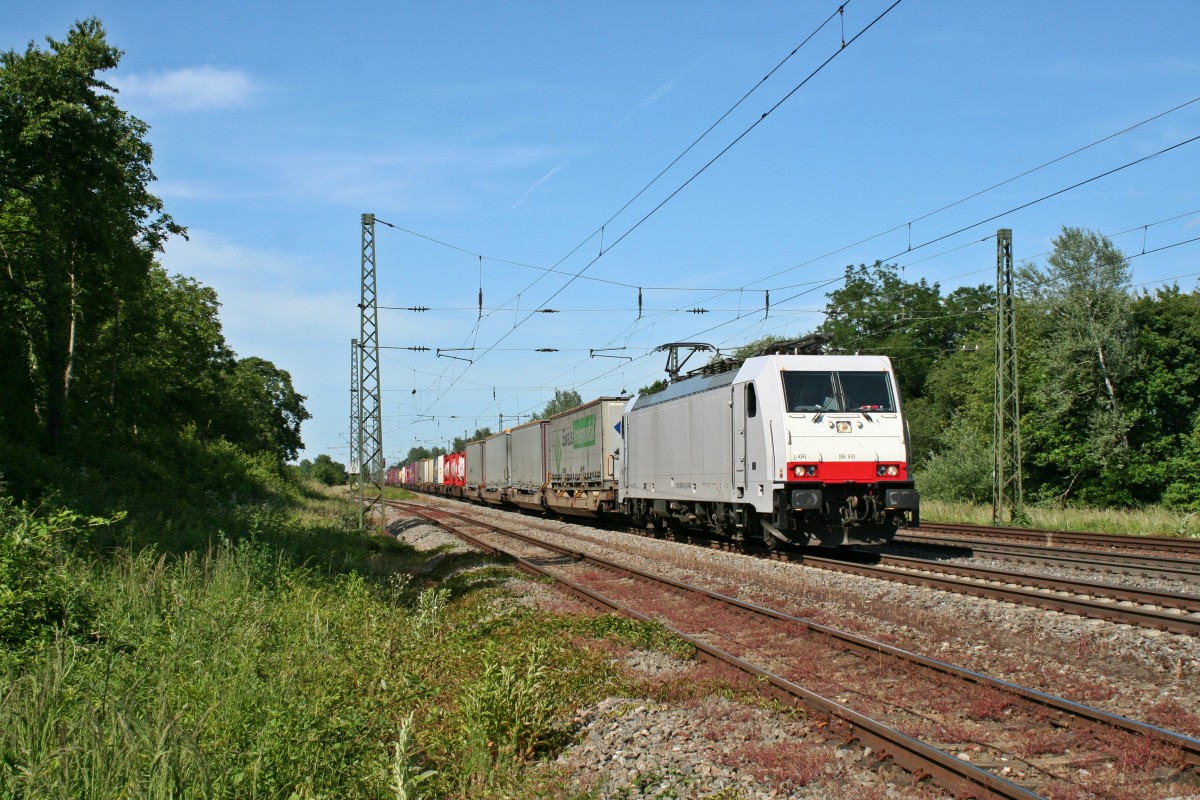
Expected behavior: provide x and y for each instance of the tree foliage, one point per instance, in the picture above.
(106, 361)
(80, 225)
(1080, 308)
(1110, 380)
(460, 442)
(324, 469)
(563, 400)
(878, 311)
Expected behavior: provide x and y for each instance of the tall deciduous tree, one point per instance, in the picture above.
(164, 361)
(460, 442)
(1081, 307)
(264, 412)
(878, 311)
(78, 225)
(563, 400)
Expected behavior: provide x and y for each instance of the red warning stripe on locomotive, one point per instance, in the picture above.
(847, 471)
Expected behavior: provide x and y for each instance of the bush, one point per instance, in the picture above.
(38, 590)
(961, 471)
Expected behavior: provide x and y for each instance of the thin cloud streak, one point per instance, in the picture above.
(190, 89)
(538, 183)
(656, 95)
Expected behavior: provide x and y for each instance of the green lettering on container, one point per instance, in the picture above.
(584, 433)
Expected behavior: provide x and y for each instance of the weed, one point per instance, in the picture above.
(788, 765)
(990, 704)
(407, 778)
(634, 632)
(1171, 715)
(431, 604)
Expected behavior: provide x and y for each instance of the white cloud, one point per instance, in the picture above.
(211, 259)
(538, 183)
(656, 95)
(190, 89)
(415, 177)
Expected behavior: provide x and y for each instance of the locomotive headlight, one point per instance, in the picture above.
(887, 470)
(804, 470)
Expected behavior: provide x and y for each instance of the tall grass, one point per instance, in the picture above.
(242, 671)
(1153, 521)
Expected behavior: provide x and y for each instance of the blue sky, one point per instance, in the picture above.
(516, 131)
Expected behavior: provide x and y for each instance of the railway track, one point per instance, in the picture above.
(894, 710)
(1166, 611)
(1185, 548)
(1174, 612)
(1135, 564)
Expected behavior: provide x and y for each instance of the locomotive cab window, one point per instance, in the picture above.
(838, 391)
(809, 391)
(751, 401)
(866, 391)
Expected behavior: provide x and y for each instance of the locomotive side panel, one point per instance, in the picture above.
(681, 449)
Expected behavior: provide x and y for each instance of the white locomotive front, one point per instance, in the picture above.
(784, 448)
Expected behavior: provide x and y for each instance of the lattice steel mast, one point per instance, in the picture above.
(355, 415)
(370, 452)
(1006, 440)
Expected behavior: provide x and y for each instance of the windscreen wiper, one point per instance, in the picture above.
(828, 405)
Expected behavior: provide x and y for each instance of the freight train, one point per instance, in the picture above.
(778, 448)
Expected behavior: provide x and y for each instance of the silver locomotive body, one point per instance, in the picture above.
(786, 448)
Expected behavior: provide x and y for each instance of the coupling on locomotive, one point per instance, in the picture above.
(777, 448)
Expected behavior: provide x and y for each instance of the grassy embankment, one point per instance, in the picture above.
(1154, 521)
(266, 649)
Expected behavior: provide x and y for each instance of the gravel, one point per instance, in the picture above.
(631, 748)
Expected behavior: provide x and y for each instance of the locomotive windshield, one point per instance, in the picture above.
(838, 391)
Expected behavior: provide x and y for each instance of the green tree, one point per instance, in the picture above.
(1165, 398)
(421, 453)
(460, 442)
(166, 364)
(263, 412)
(654, 388)
(328, 471)
(962, 469)
(877, 311)
(562, 401)
(1079, 424)
(78, 225)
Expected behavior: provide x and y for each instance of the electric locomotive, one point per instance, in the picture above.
(784, 448)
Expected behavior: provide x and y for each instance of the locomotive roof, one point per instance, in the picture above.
(754, 368)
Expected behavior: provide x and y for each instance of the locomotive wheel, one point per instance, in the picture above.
(770, 541)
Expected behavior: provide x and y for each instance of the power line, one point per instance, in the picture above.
(699, 172)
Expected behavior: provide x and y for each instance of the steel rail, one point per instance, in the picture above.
(1129, 615)
(1188, 603)
(1130, 564)
(920, 759)
(1165, 544)
(1189, 747)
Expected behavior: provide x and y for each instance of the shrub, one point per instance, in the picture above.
(960, 472)
(38, 592)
